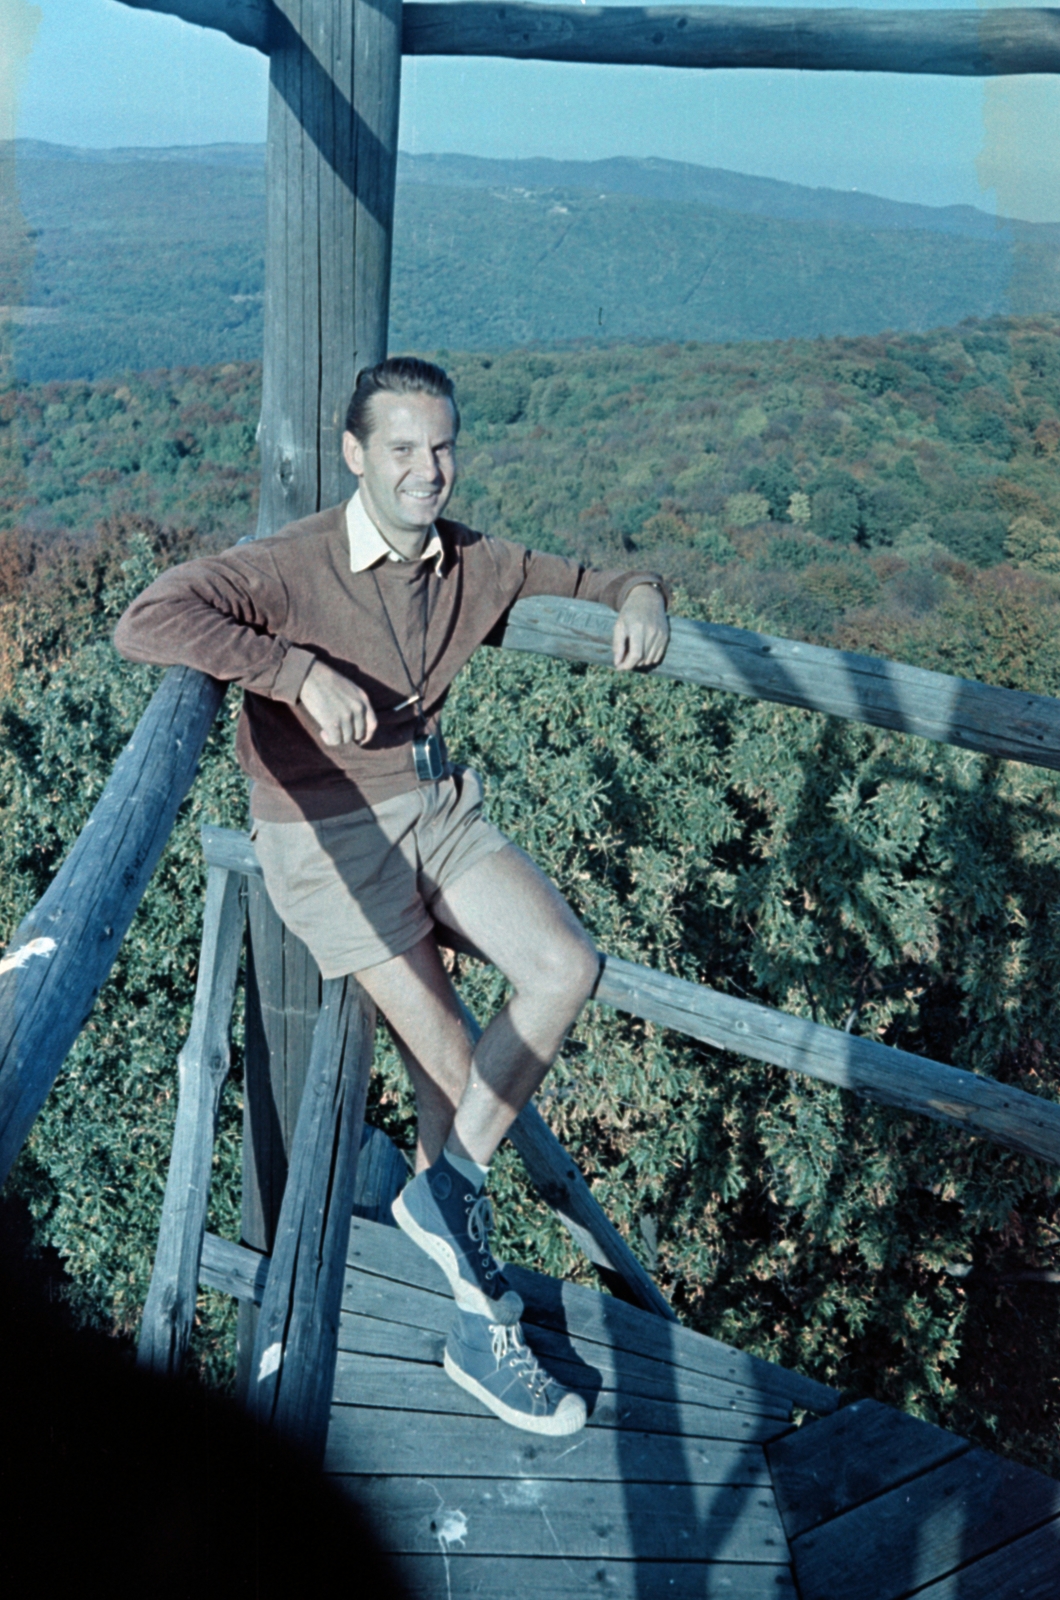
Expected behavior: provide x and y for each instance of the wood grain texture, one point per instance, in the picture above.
(458, 1576)
(957, 43)
(591, 1372)
(885, 694)
(594, 1319)
(388, 1443)
(538, 1517)
(294, 1351)
(1008, 1116)
(418, 1386)
(237, 1270)
(1026, 1569)
(231, 849)
(826, 1468)
(334, 78)
(169, 1310)
(923, 1531)
(282, 1003)
(382, 1173)
(233, 1269)
(59, 958)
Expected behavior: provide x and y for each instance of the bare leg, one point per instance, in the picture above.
(512, 913)
(518, 919)
(414, 994)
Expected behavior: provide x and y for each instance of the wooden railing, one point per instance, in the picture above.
(63, 950)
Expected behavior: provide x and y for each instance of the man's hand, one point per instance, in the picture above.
(642, 630)
(343, 711)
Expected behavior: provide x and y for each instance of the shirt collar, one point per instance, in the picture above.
(367, 545)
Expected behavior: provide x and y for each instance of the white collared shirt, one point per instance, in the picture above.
(367, 545)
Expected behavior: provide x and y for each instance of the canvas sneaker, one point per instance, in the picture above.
(492, 1361)
(445, 1216)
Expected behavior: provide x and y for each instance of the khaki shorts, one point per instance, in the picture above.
(358, 889)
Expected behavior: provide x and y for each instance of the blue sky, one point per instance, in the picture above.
(102, 74)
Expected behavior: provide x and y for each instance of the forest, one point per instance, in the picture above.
(894, 494)
(146, 259)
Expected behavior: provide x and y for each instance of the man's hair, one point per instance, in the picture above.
(396, 375)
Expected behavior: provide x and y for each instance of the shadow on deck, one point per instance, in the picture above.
(688, 1481)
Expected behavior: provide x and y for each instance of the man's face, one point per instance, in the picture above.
(407, 465)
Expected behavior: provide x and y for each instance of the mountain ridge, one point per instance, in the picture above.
(653, 177)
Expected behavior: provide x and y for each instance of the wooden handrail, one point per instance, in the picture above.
(63, 950)
(966, 43)
(979, 1105)
(885, 694)
(995, 1111)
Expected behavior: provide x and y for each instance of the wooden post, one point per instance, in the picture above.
(204, 1062)
(283, 999)
(334, 83)
(294, 1353)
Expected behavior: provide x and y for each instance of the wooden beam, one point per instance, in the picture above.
(975, 44)
(233, 1269)
(885, 694)
(334, 84)
(1008, 1116)
(204, 1061)
(561, 1184)
(63, 950)
(294, 1353)
(282, 1004)
(245, 21)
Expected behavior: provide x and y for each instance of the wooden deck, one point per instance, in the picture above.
(666, 1492)
(689, 1480)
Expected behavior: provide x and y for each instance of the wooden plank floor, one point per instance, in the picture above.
(666, 1492)
(878, 1506)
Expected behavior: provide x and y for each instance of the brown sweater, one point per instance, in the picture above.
(260, 615)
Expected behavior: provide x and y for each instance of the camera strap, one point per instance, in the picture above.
(426, 747)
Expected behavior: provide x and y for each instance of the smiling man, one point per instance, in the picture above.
(346, 631)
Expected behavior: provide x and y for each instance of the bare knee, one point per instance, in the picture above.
(566, 966)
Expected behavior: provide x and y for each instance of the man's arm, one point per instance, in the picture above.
(641, 632)
(224, 615)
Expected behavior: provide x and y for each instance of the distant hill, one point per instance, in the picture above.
(153, 258)
(655, 179)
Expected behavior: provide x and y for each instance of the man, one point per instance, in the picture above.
(346, 631)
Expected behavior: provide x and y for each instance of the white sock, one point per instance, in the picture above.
(473, 1171)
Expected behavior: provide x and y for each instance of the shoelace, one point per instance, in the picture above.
(506, 1342)
(479, 1223)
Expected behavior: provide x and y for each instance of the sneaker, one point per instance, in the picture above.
(442, 1213)
(492, 1361)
